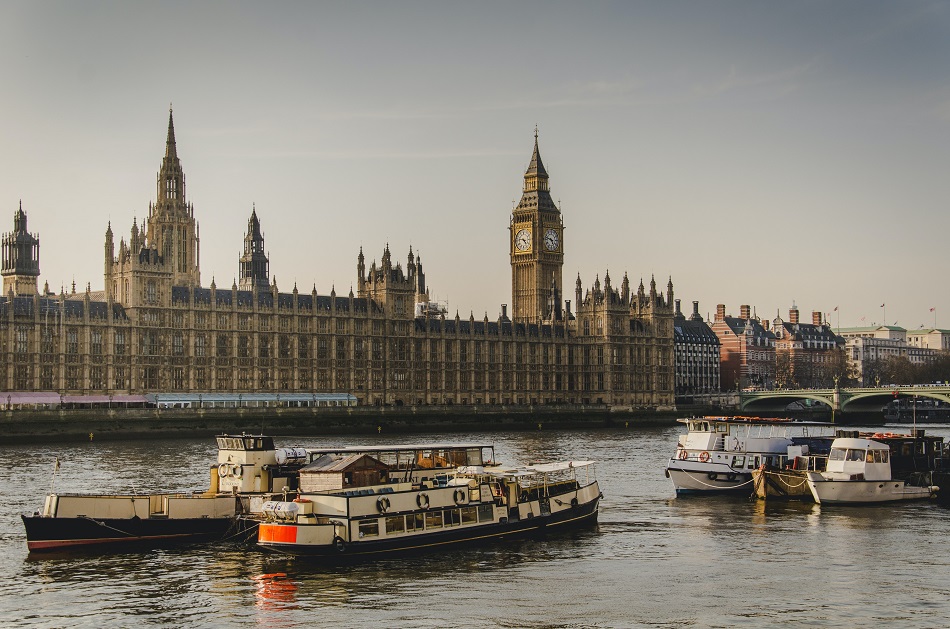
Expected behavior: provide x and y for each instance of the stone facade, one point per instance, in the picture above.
(154, 328)
(866, 345)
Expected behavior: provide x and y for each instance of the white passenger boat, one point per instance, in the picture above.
(859, 472)
(719, 454)
(359, 506)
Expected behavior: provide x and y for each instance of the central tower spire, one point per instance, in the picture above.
(171, 222)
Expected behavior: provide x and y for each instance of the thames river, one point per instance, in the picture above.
(653, 560)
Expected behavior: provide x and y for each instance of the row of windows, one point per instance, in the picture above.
(430, 520)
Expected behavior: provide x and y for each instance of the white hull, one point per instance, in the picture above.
(864, 491)
(695, 477)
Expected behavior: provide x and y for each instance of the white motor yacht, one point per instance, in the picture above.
(859, 472)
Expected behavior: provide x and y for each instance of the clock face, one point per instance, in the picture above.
(523, 240)
(550, 240)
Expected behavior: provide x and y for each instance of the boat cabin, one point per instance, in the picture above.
(331, 472)
(750, 434)
(252, 464)
(858, 459)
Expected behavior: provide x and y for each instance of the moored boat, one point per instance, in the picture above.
(859, 472)
(383, 515)
(248, 472)
(919, 459)
(720, 454)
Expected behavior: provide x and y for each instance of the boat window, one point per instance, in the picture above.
(469, 515)
(884, 455)
(434, 520)
(723, 428)
(221, 443)
(485, 513)
(395, 524)
(870, 456)
(369, 528)
(738, 461)
(473, 456)
(877, 456)
(855, 455)
(415, 521)
(453, 517)
(837, 454)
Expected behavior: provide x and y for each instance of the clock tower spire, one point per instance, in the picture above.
(536, 238)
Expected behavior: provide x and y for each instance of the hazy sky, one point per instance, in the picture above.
(759, 153)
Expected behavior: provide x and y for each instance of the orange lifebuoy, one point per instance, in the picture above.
(683, 455)
(703, 457)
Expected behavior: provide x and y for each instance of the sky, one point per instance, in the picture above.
(763, 153)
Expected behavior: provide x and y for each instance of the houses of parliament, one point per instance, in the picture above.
(155, 328)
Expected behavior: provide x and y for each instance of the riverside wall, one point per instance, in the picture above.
(32, 426)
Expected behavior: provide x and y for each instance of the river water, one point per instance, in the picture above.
(654, 560)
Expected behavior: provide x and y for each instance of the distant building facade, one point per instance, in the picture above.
(807, 355)
(697, 354)
(747, 350)
(865, 345)
(155, 328)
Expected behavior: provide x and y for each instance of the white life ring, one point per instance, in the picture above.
(382, 504)
(223, 470)
(236, 471)
(459, 496)
(422, 500)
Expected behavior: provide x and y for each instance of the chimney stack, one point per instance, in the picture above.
(677, 313)
(793, 315)
(816, 318)
(720, 312)
(745, 312)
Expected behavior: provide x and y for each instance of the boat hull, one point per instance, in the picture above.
(690, 477)
(781, 484)
(48, 534)
(580, 516)
(865, 492)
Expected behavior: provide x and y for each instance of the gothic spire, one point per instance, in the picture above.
(171, 152)
(536, 167)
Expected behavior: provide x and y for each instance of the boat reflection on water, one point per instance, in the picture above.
(275, 591)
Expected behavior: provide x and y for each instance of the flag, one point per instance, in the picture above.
(835, 310)
(882, 305)
(931, 310)
(862, 318)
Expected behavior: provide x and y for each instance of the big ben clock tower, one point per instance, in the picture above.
(537, 245)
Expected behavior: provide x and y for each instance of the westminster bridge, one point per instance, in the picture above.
(841, 400)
